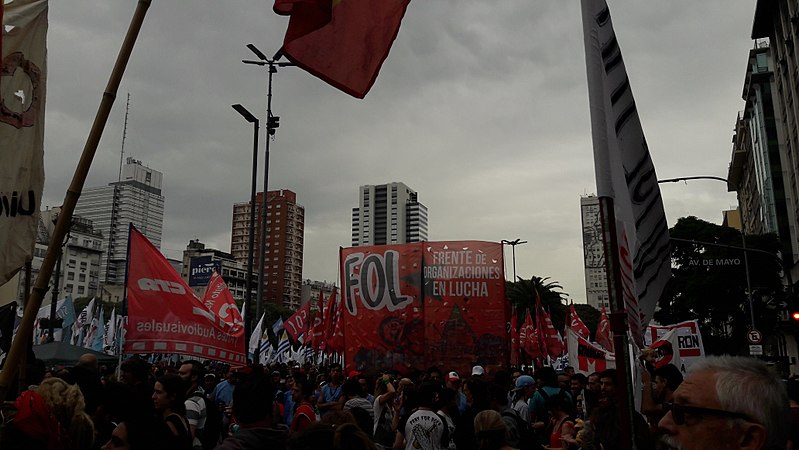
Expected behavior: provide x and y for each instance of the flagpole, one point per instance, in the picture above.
(618, 322)
(71, 198)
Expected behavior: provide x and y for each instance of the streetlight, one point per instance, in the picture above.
(272, 123)
(730, 187)
(513, 245)
(248, 294)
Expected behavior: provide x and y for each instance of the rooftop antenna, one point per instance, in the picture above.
(124, 135)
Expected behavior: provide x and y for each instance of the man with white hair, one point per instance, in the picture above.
(727, 402)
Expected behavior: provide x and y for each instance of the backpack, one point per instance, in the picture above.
(527, 439)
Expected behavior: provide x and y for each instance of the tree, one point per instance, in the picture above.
(709, 283)
(589, 315)
(522, 295)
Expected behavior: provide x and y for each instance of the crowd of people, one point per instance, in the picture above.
(724, 402)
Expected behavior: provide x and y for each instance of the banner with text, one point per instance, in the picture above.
(164, 315)
(412, 306)
(689, 340)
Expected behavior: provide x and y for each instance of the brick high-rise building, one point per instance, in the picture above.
(285, 221)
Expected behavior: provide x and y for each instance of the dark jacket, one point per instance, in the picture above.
(256, 438)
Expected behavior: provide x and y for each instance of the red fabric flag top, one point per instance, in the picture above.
(604, 336)
(219, 301)
(515, 338)
(297, 324)
(577, 325)
(318, 330)
(343, 42)
(551, 341)
(329, 324)
(164, 316)
(531, 343)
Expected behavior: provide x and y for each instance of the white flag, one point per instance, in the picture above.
(109, 343)
(255, 336)
(24, 55)
(624, 171)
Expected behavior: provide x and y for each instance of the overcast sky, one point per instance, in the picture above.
(481, 107)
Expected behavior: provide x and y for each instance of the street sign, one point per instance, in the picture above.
(754, 336)
(756, 350)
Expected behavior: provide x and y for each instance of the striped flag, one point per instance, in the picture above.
(625, 172)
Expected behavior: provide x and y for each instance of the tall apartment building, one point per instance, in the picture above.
(596, 279)
(285, 222)
(388, 214)
(136, 199)
(755, 170)
(311, 290)
(80, 260)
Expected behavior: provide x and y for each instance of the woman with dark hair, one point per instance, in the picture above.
(490, 431)
(561, 423)
(169, 396)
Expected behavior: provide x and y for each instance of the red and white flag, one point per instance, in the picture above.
(23, 84)
(531, 342)
(586, 357)
(604, 336)
(577, 325)
(343, 42)
(297, 325)
(164, 315)
(219, 301)
(318, 328)
(625, 172)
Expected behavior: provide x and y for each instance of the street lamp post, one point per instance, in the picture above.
(513, 245)
(730, 187)
(272, 123)
(250, 247)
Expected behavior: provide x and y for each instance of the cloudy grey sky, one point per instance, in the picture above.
(481, 107)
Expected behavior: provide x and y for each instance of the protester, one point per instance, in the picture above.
(191, 372)
(345, 436)
(355, 398)
(51, 416)
(332, 398)
(448, 410)
(169, 396)
(305, 413)
(584, 399)
(423, 428)
(383, 431)
(593, 384)
(666, 380)
(453, 381)
(561, 422)
(253, 413)
(727, 402)
(524, 389)
(477, 398)
(606, 422)
(490, 431)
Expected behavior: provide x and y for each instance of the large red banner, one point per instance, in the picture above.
(412, 306)
(164, 315)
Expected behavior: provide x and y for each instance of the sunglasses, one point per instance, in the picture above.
(678, 412)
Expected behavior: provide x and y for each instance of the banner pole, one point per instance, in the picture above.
(71, 199)
(618, 323)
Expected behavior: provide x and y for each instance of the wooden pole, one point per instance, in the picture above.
(71, 199)
(618, 324)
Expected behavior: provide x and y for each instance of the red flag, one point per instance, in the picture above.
(604, 336)
(515, 337)
(219, 301)
(577, 325)
(551, 342)
(317, 331)
(343, 42)
(164, 315)
(531, 344)
(335, 342)
(329, 324)
(296, 325)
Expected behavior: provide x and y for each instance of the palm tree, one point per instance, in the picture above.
(522, 294)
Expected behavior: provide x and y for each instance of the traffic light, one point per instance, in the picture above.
(272, 122)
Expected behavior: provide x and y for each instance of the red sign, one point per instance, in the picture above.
(164, 315)
(412, 306)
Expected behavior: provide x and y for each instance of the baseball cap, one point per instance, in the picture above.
(453, 376)
(478, 370)
(524, 381)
